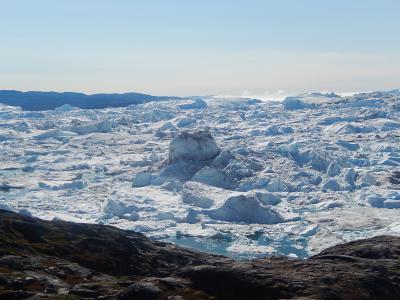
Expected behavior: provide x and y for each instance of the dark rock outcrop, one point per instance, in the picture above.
(61, 260)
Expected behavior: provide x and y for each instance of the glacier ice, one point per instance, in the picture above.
(291, 103)
(331, 185)
(197, 146)
(230, 175)
(246, 209)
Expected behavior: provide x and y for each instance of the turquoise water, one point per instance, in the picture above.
(282, 247)
(208, 245)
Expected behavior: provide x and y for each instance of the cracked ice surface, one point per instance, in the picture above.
(230, 176)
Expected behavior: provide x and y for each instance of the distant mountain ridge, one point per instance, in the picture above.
(37, 101)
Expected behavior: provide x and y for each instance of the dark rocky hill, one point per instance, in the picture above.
(61, 260)
(37, 101)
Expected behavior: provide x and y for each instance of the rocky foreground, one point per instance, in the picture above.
(61, 260)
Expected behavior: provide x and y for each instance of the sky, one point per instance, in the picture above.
(208, 47)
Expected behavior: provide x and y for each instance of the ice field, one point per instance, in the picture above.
(234, 176)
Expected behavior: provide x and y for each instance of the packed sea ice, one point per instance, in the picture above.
(233, 176)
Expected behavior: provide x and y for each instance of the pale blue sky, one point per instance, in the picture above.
(187, 47)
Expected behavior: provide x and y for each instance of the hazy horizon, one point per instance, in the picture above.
(184, 48)
(278, 95)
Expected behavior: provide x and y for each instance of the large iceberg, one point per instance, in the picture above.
(246, 209)
(193, 146)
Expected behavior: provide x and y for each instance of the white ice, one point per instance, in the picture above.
(232, 176)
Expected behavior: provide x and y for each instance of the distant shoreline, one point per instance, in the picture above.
(38, 101)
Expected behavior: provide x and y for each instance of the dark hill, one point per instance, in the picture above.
(50, 100)
(62, 260)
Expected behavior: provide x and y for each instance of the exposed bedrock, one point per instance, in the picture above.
(62, 260)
